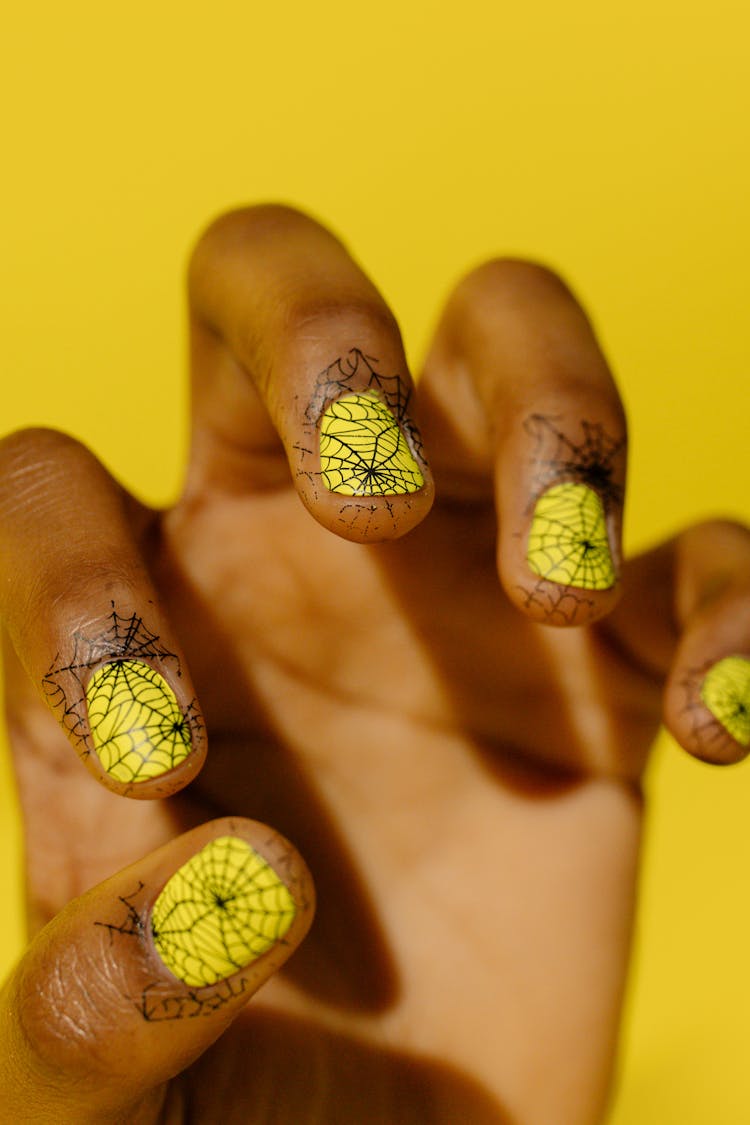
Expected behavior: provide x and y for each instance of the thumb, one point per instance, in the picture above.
(100, 1013)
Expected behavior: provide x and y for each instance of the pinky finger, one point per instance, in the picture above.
(707, 699)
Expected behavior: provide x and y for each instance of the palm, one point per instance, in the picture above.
(442, 763)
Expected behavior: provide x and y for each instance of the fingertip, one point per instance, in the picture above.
(559, 486)
(707, 707)
(367, 518)
(163, 784)
(558, 553)
(357, 458)
(126, 702)
(555, 604)
(258, 902)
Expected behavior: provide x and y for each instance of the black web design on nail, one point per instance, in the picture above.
(223, 904)
(136, 723)
(126, 638)
(356, 373)
(708, 729)
(596, 461)
(160, 1001)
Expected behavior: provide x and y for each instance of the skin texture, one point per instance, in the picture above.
(452, 742)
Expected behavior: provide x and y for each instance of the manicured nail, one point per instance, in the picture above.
(137, 727)
(363, 451)
(726, 692)
(219, 912)
(568, 541)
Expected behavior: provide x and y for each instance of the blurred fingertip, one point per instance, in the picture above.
(707, 709)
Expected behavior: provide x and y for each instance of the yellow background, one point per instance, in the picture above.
(610, 140)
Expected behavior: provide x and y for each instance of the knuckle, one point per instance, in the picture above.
(45, 605)
(499, 278)
(257, 216)
(35, 463)
(245, 227)
(69, 1005)
(35, 443)
(725, 540)
(348, 320)
(724, 527)
(510, 297)
(61, 520)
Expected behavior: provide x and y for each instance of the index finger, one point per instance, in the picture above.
(85, 621)
(298, 366)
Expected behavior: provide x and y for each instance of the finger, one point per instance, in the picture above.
(298, 366)
(518, 404)
(81, 611)
(104, 1007)
(685, 615)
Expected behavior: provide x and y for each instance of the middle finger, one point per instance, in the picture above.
(520, 406)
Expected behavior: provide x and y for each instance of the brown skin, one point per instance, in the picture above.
(461, 778)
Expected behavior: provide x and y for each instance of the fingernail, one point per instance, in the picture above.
(568, 541)
(137, 727)
(220, 911)
(726, 692)
(363, 451)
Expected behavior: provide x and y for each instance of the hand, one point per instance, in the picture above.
(450, 725)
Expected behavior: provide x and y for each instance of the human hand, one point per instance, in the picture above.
(462, 778)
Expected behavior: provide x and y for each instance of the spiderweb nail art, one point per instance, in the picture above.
(575, 485)
(597, 460)
(363, 451)
(382, 454)
(136, 724)
(219, 911)
(100, 658)
(160, 1001)
(568, 540)
(726, 693)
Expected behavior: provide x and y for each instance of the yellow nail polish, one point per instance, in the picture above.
(363, 451)
(137, 727)
(726, 692)
(568, 541)
(219, 912)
